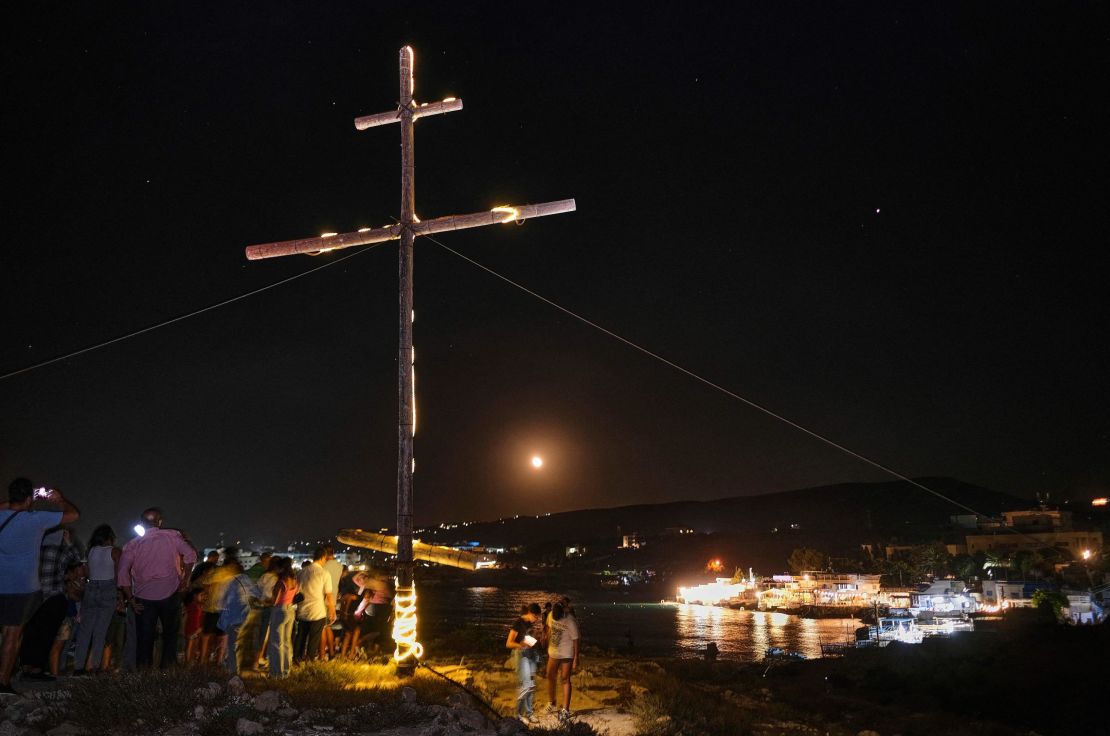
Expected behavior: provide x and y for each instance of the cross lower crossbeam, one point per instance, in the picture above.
(365, 236)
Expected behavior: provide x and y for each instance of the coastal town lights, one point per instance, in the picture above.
(710, 593)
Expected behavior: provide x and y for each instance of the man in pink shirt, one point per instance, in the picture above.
(153, 570)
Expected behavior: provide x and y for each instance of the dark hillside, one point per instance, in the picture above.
(761, 529)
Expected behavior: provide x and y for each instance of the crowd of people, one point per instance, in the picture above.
(544, 640)
(123, 608)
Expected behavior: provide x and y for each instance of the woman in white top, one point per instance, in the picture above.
(98, 605)
(562, 652)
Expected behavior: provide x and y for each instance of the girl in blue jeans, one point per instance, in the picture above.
(283, 613)
(522, 641)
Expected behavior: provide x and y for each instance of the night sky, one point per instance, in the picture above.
(888, 224)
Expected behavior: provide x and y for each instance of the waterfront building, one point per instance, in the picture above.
(848, 590)
(895, 597)
(631, 541)
(943, 597)
(999, 594)
(1082, 609)
(1032, 530)
(1080, 544)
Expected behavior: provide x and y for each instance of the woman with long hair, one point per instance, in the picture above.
(98, 604)
(280, 647)
(562, 652)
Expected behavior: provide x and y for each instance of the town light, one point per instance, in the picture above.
(1102, 501)
(711, 593)
(1086, 554)
(511, 213)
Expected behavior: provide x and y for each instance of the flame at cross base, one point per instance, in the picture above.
(404, 625)
(404, 600)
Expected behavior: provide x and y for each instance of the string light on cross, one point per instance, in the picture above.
(408, 649)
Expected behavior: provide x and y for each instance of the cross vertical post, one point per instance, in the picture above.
(406, 400)
(408, 650)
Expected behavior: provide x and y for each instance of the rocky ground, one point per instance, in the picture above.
(333, 699)
(607, 700)
(601, 697)
(230, 708)
(964, 687)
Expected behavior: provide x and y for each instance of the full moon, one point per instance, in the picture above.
(537, 461)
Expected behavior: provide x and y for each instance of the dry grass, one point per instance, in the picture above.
(351, 685)
(359, 696)
(574, 728)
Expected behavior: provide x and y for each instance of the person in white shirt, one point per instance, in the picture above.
(266, 584)
(562, 651)
(315, 610)
(334, 569)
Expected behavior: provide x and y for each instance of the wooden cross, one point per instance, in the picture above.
(408, 110)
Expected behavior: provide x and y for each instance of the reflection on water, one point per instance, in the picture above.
(650, 629)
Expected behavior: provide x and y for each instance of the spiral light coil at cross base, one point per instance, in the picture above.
(404, 625)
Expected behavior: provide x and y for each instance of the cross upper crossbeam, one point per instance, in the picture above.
(422, 110)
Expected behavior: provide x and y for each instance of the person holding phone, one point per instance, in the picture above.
(21, 532)
(523, 641)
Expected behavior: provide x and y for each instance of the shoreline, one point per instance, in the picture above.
(963, 686)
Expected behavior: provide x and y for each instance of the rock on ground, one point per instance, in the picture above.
(510, 727)
(470, 719)
(185, 729)
(244, 727)
(7, 728)
(267, 702)
(68, 729)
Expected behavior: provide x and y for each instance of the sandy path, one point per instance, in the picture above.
(596, 697)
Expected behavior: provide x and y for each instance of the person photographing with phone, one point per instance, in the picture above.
(21, 532)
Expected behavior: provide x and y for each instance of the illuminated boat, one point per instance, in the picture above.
(901, 629)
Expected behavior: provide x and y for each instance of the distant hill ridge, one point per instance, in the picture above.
(844, 514)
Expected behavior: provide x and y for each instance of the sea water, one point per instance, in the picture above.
(642, 628)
